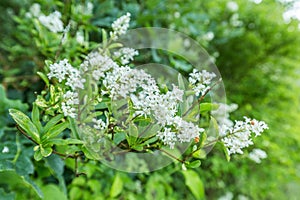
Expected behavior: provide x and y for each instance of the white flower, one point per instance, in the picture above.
(120, 26)
(99, 124)
(98, 64)
(52, 22)
(232, 6)
(64, 71)
(209, 36)
(239, 136)
(257, 1)
(257, 155)
(74, 80)
(34, 10)
(187, 131)
(5, 149)
(86, 9)
(70, 101)
(176, 93)
(256, 126)
(227, 196)
(177, 15)
(200, 81)
(68, 110)
(71, 98)
(126, 54)
(59, 70)
(168, 137)
(80, 37)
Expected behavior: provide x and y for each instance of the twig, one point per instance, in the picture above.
(172, 156)
(27, 136)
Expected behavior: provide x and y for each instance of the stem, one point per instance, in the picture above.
(18, 150)
(171, 155)
(27, 136)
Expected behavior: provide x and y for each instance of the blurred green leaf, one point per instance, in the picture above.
(194, 183)
(19, 184)
(52, 192)
(117, 186)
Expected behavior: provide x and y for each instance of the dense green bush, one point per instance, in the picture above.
(256, 52)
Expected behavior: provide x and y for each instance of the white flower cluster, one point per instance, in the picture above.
(134, 84)
(257, 155)
(99, 124)
(200, 81)
(240, 135)
(52, 21)
(232, 6)
(34, 11)
(64, 71)
(186, 130)
(126, 55)
(120, 26)
(71, 99)
(142, 89)
(98, 64)
(183, 132)
(86, 9)
(226, 196)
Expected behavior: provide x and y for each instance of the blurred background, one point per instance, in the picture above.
(256, 46)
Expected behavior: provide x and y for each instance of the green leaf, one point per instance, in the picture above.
(56, 130)
(44, 78)
(6, 196)
(194, 183)
(46, 151)
(132, 134)
(115, 45)
(52, 192)
(25, 123)
(225, 151)
(116, 187)
(149, 131)
(35, 116)
(194, 164)
(215, 126)
(119, 137)
(133, 131)
(202, 139)
(149, 141)
(200, 153)
(104, 38)
(181, 82)
(206, 107)
(138, 147)
(59, 141)
(73, 128)
(38, 155)
(19, 184)
(53, 122)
